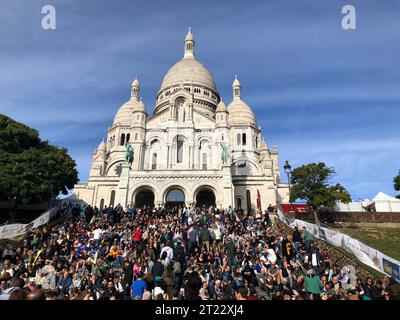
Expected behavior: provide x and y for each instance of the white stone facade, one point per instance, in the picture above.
(178, 148)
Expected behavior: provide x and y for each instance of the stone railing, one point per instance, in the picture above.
(340, 257)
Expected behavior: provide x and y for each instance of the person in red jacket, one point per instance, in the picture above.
(137, 236)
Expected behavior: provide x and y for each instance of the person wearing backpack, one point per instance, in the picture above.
(177, 270)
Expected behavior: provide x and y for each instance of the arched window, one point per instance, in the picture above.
(238, 203)
(112, 198)
(154, 162)
(238, 139)
(179, 149)
(176, 113)
(122, 141)
(136, 136)
(101, 204)
(204, 161)
(244, 139)
(128, 136)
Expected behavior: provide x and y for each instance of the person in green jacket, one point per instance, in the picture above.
(307, 238)
(312, 283)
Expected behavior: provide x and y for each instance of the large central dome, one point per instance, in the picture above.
(188, 70)
(192, 76)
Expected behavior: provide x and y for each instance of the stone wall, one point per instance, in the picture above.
(341, 258)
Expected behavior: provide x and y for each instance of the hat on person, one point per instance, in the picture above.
(323, 293)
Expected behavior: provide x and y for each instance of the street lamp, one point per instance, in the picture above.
(288, 171)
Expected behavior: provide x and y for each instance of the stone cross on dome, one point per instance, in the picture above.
(189, 45)
(135, 88)
(236, 88)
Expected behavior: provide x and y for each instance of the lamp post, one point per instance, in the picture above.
(14, 209)
(288, 171)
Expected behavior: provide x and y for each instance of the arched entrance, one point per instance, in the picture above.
(238, 203)
(144, 197)
(174, 197)
(205, 196)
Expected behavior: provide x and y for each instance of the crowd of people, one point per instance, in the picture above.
(177, 253)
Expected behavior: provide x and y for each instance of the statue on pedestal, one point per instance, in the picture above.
(224, 153)
(129, 153)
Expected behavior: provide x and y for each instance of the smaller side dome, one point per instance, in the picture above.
(263, 146)
(100, 153)
(102, 146)
(140, 107)
(239, 111)
(221, 107)
(124, 114)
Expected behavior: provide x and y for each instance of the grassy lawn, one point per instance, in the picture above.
(386, 240)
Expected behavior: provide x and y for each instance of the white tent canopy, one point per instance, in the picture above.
(386, 203)
(381, 203)
(384, 197)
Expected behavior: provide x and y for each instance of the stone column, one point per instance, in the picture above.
(196, 157)
(171, 151)
(121, 194)
(227, 187)
(193, 156)
(168, 152)
(190, 157)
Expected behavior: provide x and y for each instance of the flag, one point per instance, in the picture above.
(258, 200)
(37, 256)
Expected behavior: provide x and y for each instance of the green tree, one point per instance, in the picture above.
(396, 185)
(31, 170)
(340, 193)
(311, 183)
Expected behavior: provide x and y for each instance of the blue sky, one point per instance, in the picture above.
(320, 93)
